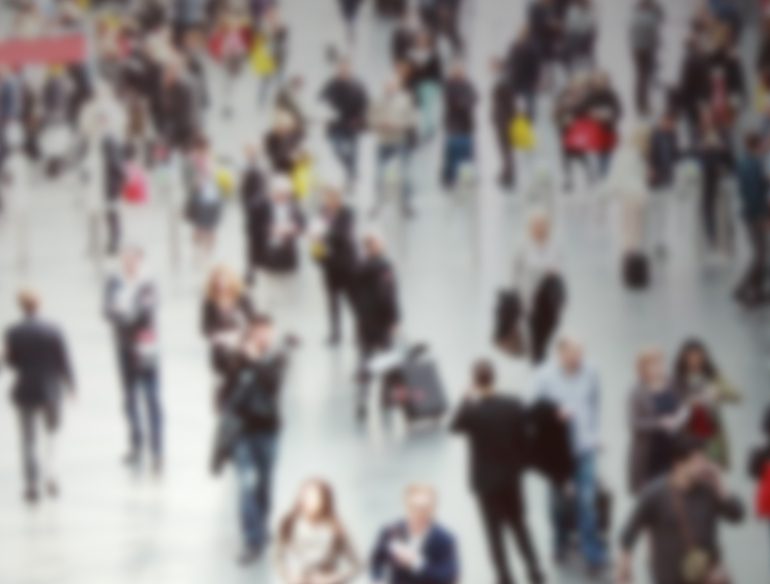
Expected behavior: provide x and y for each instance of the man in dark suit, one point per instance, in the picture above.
(377, 309)
(36, 350)
(416, 550)
(336, 253)
(495, 427)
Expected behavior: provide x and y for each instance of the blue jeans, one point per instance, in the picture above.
(458, 148)
(403, 153)
(254, 460)
(143, 382)
(591, 545)
(345, 146)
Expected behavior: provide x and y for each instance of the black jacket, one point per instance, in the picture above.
(349, 100)
(496, 431)
(376, 300)
(550, 450)
(523, 65)
(281, 149)
(37, 351)
(114, 174)
(255, 204)
(503, 104)
(339, 241)
(459, 102)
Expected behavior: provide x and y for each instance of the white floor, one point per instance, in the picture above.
(112, 526)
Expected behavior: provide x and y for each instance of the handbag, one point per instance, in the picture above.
(697, 567)
(521, 134)
(261, 59)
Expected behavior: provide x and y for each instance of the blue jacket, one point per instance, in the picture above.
(441, 566)
(753, 187)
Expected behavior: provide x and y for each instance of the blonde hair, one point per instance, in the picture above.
(645, 357)
(234, 287)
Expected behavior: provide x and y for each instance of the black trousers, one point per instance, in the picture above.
(508, 172)
(644, 63)
(541, 329)
(500, 510)
(337, 286)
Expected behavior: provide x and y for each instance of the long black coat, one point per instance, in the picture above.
(340, 259)
(376, 300)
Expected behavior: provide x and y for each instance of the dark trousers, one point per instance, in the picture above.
(508, 171)
(500, 510)
(338, 287)
(567, 159)
(541, 329)
(144, 382)
(752, 284)
(49, 414)
(113, 229)
(644, 63)
(255, 455)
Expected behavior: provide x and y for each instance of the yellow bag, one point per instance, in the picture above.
(262, 61)
(225, 181)
(522, 134)
(302, 178)
(761, 98)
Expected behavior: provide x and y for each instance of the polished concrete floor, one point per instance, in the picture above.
(111, 525)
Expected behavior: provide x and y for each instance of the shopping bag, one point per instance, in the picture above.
(302, 177)
(522, 134)
(261, 59)
(225, 181)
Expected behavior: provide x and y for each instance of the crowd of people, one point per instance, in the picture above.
(143, 107)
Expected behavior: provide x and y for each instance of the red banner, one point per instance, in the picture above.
(53, 50)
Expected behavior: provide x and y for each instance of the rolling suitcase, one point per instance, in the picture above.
(423, 396)
(636, 271)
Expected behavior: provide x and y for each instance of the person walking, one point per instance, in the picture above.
(682, 512)
(537, 277)
(524, 65)
(460, 100)
(251, 406)
(503, 115)
(377, 310)
(36, 350)
(416, 550)
(255, 205)
(347, 97)
(312, 544)
(131, 304)
(656, 414)
(647, 19)
(495, 425)
(337, 255)
(754, 191)
(573, 386)
(393, 119)
(705, 390)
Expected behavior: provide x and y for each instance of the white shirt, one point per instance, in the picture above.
(312, 546)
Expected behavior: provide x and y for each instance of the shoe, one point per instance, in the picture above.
(52, 487)
(31, 496)
(133, 458)
(250, 555)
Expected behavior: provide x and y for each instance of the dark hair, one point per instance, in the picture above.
(328, 511)
(683, 447)
(680, 367)
(484, 373)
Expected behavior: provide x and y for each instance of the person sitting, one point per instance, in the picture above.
(416, 550)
